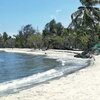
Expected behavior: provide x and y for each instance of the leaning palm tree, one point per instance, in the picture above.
(87, 17)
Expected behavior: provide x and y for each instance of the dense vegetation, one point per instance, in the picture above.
(83, 32)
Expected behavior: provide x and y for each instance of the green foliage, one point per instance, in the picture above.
(22, 37)
(89, 2)
(53, 35)
(87, 20)
(1, 41)
(52, 29)
(35, 41)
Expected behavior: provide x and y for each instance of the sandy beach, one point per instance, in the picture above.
(81, 85)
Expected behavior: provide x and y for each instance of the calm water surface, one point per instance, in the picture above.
(14, 66)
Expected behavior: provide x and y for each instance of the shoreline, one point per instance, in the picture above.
(77, 85)
(51, 53)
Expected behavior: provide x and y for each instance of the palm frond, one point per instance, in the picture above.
(96, 14)
(75, 18)
(77, 13)
(95, 2)
(87, 19)
(90, 2)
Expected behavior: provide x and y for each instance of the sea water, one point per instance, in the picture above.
(20, 71)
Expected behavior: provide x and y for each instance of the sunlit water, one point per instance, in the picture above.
(20, 71)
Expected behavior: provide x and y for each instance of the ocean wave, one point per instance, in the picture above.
(68, 66)
(16, 85)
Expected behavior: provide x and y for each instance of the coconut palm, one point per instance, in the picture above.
(86, 18)
(87, 15)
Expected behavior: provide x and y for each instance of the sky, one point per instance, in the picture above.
(17, 13)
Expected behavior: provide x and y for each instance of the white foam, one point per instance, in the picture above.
(20, 83)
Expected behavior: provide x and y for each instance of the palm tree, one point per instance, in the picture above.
(87, 17)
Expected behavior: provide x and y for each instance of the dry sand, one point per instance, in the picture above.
(82, 85)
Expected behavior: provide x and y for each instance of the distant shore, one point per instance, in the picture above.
(50, 52)
(82, 85)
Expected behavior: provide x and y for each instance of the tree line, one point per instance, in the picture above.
(54, 36)
(82, 33)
